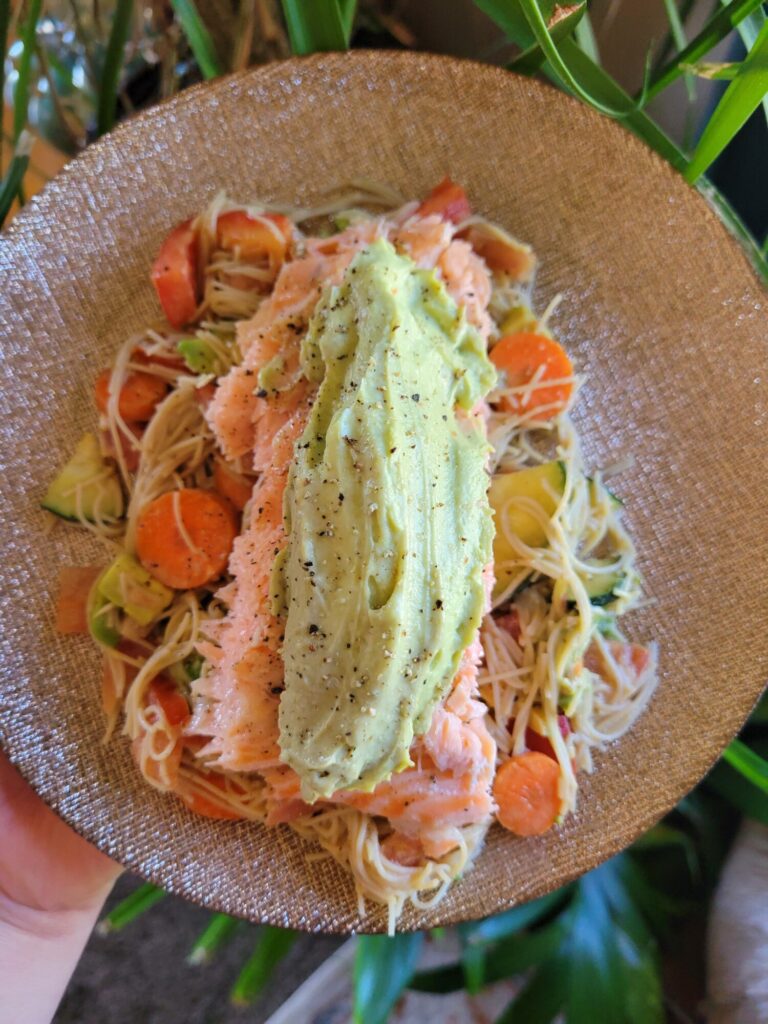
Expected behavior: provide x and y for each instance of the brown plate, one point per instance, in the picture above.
(660, 310)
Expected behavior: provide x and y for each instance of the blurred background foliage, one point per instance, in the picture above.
(690, 77)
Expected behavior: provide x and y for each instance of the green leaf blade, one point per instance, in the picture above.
(113, 66)
(318, 26)
(198, 38)
(383, 968)
(21, 91)
(273, 945)
(740, 100)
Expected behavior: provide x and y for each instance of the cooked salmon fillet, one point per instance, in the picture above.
(449, 783)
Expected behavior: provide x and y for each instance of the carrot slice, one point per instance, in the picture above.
(448, 200)
(139, 396)
(174, 275)
(75, 584)
(234, 486)
(526, 791)
(184, 537)
(252, 238)
(523, 357)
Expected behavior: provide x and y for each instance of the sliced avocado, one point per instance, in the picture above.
(518, 319)
(129, 586)
(199, 355)
(545, 485)
(88, 475)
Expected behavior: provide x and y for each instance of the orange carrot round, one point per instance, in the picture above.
(234, 486)
(139, 396)
(252, 238)
(526, 791)
(184, 537)
(520, 357)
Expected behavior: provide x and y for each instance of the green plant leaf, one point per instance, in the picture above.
(5, 21)
(383, 968)
(604, 87)
(665, 837)
(198, 37)
(318, 25)
(715, 30)
(530, 60)
(510, 921)
(21, 90)
(561, 67)
(509, 16)
(760, 715)
(133, 906)
(729, 783)
(519, 953)
(113, 66)
(749, 764)
(542, 998)
(740, 99)
(749, 30)
(272, 946)
(218, 931)
(439, 980)
(473, 967)
(714, 71)
(14, 175)
(678, 36)
(585, 37)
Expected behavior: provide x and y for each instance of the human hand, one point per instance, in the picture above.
(52, 887)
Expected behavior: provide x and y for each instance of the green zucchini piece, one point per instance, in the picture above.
(101, 496)
(129, 586)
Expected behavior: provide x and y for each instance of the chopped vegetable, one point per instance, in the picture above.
(101, 619)
(518, 319)
(526, 791)
(174, 275)
(536, 741)
(207, 805)
(236, 487)
(448, 200)
(267, 236)
(130, 587)
(129, 450)
(198, 355)
(184, 537)
(86, 487)
(165, 695)
(543, 484)
(75, 584)
(140, 395)
(505, 255)
(524, 358)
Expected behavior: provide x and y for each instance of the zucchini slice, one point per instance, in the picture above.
(87, 484)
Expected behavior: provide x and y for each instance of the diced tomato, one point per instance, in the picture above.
(169, 360)
(403, 850)
(511, 623)
(174, 275)
(448, 200)
(131, 454)
(252, 238)
(633, 658)
(535, 741)
(512, 258)
(75, 584)
(164, 694)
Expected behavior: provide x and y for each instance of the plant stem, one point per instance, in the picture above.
(220, 928)
(130, 908)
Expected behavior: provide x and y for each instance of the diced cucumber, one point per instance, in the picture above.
(601, 586)
(598, 491)
(129, 586)
(86, 483)
(544, 484)
(100, 624)
(186, 671)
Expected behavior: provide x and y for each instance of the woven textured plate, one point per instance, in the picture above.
(660, 310)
